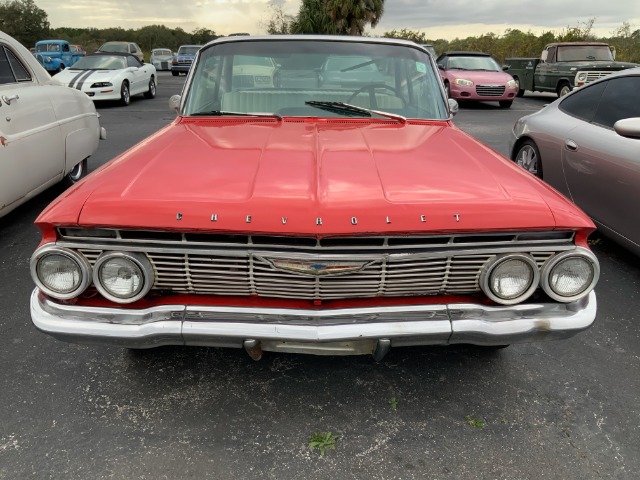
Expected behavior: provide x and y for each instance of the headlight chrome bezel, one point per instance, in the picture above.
(463, 82)
(139, 260)
(485, 278)
(555, 260)
(83, 264)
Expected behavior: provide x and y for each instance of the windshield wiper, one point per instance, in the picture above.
(222, 113)
(353, 110)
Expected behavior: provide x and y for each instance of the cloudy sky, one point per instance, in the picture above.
(437, 18)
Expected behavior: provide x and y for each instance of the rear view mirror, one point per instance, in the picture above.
(628, 127)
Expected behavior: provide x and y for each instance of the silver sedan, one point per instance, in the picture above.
(587, 146)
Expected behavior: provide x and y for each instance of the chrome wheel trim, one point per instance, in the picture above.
(124, 91)
(528, 159)
(564, 90)
(77, 172)
(152, 87)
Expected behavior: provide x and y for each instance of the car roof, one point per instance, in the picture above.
(321, 38)
(112, 54)
(579, 44)
(51, 41)
(465, 54)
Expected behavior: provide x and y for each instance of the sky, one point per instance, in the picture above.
(446, 19)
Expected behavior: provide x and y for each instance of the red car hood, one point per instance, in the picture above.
(310, 176)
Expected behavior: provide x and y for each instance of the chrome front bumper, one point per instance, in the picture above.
(345, 331)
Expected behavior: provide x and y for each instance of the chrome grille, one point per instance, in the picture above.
(398, 267)
(243, 81)
(490, 90)
(591, 76)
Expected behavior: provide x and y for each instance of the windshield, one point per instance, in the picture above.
(161, 53)
(396, 79)
(473, 63)
(101, 62)
(188, 50)
(114, 47)
(48, 47)
(576, 53)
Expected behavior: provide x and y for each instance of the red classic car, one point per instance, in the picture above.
(316, 219)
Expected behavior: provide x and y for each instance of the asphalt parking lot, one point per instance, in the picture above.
(561, 410)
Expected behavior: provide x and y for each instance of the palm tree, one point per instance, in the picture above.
(312, 18)
(351, 16)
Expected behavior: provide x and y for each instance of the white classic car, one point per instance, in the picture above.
(47, 132)
(111, 76)
(161, 58)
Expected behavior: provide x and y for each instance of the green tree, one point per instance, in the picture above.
(200, 36)
(24, 21)
(352, 16)
(313, 18)
(417, 37)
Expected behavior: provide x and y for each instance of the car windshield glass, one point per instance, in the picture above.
(473, 63)
(575, 53)
(48, 47)
(188, 50)
(101, 62)
(279, 76)
(114, 47)
(162, 53)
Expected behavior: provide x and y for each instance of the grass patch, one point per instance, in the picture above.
(323, 441)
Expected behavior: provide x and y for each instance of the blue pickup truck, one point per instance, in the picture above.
(56, 55)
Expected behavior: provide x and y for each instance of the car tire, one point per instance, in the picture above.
(505, 103)
(76, 174)
(447, 89)
(175, 74)
(528, 157)
(563, 89)
(151, 93)
(520, 90)
(125, 95)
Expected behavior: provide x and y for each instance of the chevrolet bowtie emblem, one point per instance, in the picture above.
(317, 268)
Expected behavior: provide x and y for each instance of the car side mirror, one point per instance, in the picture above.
(628, 127)
(174, 103)
(441, 67)
(453, 107)
(505, 68)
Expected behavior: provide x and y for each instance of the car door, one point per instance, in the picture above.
(602, 168)
(32, 151)
(139, 76)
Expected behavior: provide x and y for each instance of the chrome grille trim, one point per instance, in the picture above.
(490, 90)
(448, 265)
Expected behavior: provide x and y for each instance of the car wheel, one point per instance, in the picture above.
(76, 174)
(563, 89)
(528, 157)
(447, 89)
(520, 90)
(175, 74)
(505, 103)
(125, 96)
(151, 93)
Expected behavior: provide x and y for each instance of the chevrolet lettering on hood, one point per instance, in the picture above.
(283, 211)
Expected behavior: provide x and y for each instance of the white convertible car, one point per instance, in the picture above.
(111, 76)
(47, 131)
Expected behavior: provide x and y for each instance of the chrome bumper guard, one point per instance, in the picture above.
(345, 331)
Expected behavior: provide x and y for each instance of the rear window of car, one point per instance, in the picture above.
(11, 70)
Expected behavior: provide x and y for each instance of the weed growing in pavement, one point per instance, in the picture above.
(322, 441)
(475, 422)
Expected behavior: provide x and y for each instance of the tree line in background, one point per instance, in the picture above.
(25, 21)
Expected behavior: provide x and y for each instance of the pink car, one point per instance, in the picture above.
(476, 76)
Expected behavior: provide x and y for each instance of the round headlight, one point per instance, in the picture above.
(582, 76)
(510, 279)
(569, 276)
(60, 272)
(123, 277)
